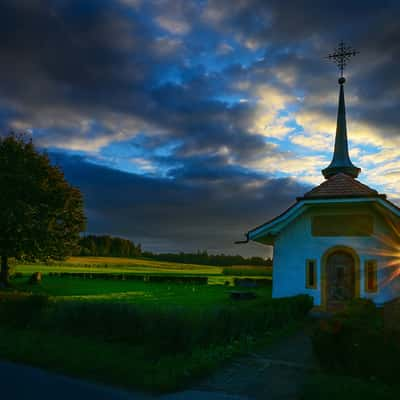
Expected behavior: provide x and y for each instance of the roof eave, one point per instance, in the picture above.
(349, 196)
(273, 227)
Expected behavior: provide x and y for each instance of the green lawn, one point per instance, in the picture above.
(143, 343)
(137, 292)
(157, 336)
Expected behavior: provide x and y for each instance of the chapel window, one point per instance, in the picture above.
(371, 276)
(311, 274)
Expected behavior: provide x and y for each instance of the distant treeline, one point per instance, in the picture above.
(108, 246)
(204, 258)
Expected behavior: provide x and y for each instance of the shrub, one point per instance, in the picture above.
(252, 282)
(16, 275)
(335, 387)
(159, 330)
(355, 343)
(247, 270)
(22, 311)
(195, 280)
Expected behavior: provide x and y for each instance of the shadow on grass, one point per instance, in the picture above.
(134, 346)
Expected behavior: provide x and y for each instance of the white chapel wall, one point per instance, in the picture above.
(296, 244)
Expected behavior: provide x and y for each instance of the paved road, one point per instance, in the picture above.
(20, 382)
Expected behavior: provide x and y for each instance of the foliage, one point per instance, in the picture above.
(334, 387)
(161, 337)
(166, 278)
(120, 364)
(160, 330)
(355, 343)
(108, 246)
(151, 347)
(202, 257)
(247, 270)
(252, 282)
(41, 215)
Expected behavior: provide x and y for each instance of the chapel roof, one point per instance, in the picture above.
(341, 185)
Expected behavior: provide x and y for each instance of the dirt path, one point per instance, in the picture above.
(274, 374)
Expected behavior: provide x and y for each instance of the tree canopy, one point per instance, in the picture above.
(41, 214)
(108, 246)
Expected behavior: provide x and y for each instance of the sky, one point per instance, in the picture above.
(185, 123)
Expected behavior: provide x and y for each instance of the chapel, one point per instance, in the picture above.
(339, 241)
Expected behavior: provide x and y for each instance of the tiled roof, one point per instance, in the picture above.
(341, 185)
(336, 187)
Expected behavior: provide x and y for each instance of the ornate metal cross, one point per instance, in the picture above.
(342, 55)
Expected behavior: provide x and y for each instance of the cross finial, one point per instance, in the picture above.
(341, 56)
(341, 162)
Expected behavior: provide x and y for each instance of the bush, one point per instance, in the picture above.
(355, 343)
(16, 275)
(335, 387)
(252, 282)
(21, 311)
(160, 331)
(247, 270)
(193, 280)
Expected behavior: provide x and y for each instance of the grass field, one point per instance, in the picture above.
(141, 265)
(216, 275)
(160, 294)
(158, 345)
(157, 336)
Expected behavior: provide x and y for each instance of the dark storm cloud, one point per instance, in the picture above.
(138, 75)
(69, 43)
(87, 58)
(206, 124)
(186, 216)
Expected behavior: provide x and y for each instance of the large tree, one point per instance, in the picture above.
(41, 214)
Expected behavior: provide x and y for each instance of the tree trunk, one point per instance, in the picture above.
(4, 273)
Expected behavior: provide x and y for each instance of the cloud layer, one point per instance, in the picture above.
(188, 122)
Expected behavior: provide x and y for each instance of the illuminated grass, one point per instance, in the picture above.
(137, 292)
(143, 265)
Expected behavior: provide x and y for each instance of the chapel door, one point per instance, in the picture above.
(340, 277)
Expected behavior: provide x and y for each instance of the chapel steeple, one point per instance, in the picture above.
(341, 160)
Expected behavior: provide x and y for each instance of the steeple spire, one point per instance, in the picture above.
(341, 160)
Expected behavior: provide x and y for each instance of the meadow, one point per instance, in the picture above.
(135, 292)
(116, 265)
(156, 336)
